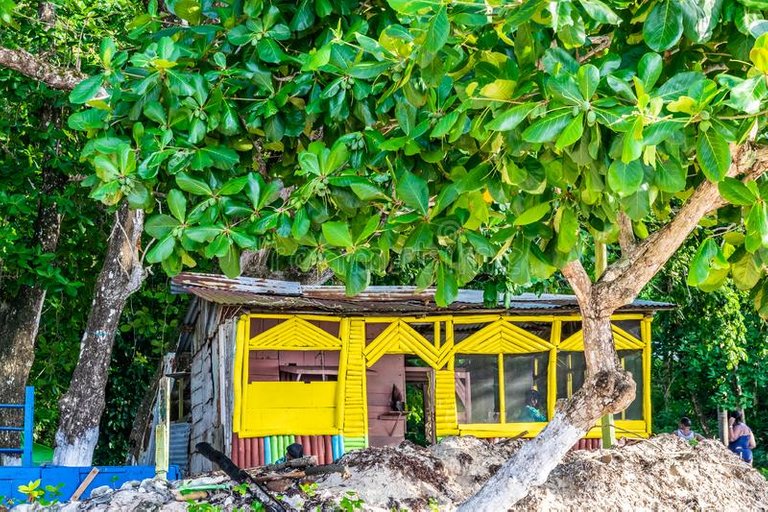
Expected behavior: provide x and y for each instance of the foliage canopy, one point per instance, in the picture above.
(461, 136)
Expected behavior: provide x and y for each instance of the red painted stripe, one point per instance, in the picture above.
(328, 450)
(247, 459)
(240, 451)
(313, 447)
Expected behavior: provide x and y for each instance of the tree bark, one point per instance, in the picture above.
(20, 316)
(607, 389)
(82, 405)
(40, 70)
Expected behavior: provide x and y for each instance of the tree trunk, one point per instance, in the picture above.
(607, 389)
(20, 317)
(82, 405)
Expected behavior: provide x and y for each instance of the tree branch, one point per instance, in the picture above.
(624, 280)
(579, 280)
(37, 69)
(626, 234)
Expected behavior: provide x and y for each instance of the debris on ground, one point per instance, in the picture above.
(662, 473)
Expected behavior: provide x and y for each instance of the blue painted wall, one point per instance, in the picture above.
(11, 477)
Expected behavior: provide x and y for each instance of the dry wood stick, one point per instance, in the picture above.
(84, 485)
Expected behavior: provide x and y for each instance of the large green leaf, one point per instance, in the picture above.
(86, 90)
(414, 192)
(599, 11)
(511, 118)
(548, 128)
(162, 249)
(757, 228)
(438, 31)
(736, 192)
(572, 133)
(192, 185)
(713, 155)
(625, 179)
(447, 286)
(532, 214)
(670, 176)
(159, 226)
(745, 270)
(567, 230)
(338, 234)
(708, 258)
(664, 25)
(177, 203)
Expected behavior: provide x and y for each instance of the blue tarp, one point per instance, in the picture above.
(11, 477)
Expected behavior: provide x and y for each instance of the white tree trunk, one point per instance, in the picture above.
(83, 404)
(528, 468)
(77, 450)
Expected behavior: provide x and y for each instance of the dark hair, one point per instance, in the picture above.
(736, 415)
(532, 395)
(685, 421)
(295, 451)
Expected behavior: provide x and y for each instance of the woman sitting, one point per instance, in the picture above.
(740, 437)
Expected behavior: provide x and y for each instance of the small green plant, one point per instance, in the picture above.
(45, 496)
(32, 491)
(194, 506)
(241, 489)
(52, 495)
(350, 502)
(309, 488)
(433, 505)
(257, 506)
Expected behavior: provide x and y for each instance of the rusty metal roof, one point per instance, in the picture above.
(271, 295)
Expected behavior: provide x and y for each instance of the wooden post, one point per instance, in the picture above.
(722, 424)
(606, 422)
(162, 430)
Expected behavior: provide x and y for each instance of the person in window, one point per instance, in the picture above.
(740, 437)
(294, 451)
(531, 411)
(684, 431)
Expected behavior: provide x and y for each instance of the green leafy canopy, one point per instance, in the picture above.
(463, 137)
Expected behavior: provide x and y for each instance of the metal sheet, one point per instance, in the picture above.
(271, 295)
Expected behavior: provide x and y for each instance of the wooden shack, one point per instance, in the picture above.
(264, 363)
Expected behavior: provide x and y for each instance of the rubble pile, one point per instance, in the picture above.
(662, 473)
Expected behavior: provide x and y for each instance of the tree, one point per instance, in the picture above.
(708, 353)
(32, 267)
(460, 135)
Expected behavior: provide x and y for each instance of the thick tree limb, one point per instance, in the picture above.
(580, 282)
(623, 280)
(626, 234)
(37, 69)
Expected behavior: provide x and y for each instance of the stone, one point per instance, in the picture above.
(26, 507)
(130, 484)
(100, 491)
(69, 507)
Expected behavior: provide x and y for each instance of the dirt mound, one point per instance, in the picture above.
(660, 474)
(663, 473)
(409, 476)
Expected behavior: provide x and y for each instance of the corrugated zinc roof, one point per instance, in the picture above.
(272, 295)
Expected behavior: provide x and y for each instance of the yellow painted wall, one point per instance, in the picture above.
(275, 408)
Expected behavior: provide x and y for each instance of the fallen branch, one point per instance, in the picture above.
(234, 472)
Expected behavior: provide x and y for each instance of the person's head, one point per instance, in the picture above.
(685, 423)
(736, 415)
(532, 398)
(294, 451)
